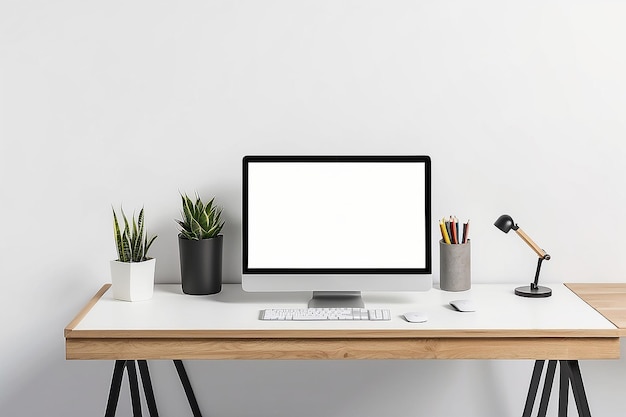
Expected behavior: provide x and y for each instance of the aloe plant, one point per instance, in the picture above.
(200, 221)
(132, 243)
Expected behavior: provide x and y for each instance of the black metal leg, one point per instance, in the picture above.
(547, 389)
(569, 375)
(184, 379)
(129, 366)
(578, 389)
(147, 388)
(114, 392)
(563, 390)
(532, 390)
(134, 388)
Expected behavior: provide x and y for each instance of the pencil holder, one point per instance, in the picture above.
(455, 266)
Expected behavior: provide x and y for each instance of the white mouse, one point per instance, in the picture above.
(463, 305)
(415, 317)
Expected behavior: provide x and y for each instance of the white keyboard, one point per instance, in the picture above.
(311, 314)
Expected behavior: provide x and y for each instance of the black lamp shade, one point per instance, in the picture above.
(505, 223)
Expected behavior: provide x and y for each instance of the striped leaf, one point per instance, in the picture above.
(204, 221)
(126, 251)
(132, 243)
(196, 229)
(118, 236)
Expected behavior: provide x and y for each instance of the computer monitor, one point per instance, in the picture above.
(336, 225)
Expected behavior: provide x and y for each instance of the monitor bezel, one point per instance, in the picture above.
(422, 159)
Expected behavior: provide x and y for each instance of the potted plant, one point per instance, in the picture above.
(200, 246)
(132, 274)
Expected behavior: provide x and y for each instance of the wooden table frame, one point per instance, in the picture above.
(558, 346)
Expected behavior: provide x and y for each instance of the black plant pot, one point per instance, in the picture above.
(201, 265)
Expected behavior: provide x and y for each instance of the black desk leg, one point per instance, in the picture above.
(563, 391)
(131, 370)
(532, 390)
(569, 374)
(578, 389)
(184, 379)
(134, 388)
(133, 382)
(147, 388)
(547, 389)
(114, 392)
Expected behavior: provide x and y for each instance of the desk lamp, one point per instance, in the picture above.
(505, 223)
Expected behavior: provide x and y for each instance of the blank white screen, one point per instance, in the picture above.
(354, 215)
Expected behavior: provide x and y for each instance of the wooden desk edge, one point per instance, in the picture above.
(82, 313)
(364, 348)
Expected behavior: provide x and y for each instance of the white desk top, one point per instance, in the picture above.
(234, 311)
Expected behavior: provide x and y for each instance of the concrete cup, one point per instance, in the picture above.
(455, 266)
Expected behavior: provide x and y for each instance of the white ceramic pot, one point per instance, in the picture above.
(133, 281)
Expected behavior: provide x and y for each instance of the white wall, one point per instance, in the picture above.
(520, 104)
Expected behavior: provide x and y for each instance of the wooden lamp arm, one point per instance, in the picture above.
(540, 252)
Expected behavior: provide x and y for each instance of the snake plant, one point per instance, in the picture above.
(132, 243)
(200, 221)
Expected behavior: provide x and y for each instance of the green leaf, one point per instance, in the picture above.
(219, 229)
(118, 236)
(187, 209)
(187, 235)
(217, 216)
(200, 221)
(199, 208)
(134, 222)
(209, 207)
(211, 215)
(147, 246)
(125, 248)
(211, 232)
(132, 242)
(138, 229)
(196, 229)
(126, 227)
(204, 222)
(183, 226)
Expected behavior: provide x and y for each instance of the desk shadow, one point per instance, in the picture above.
(234, 294)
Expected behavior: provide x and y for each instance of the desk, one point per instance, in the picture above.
(225, 326)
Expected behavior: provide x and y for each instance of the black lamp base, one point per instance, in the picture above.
(529, 291)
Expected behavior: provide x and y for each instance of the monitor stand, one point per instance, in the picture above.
(330, 299)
